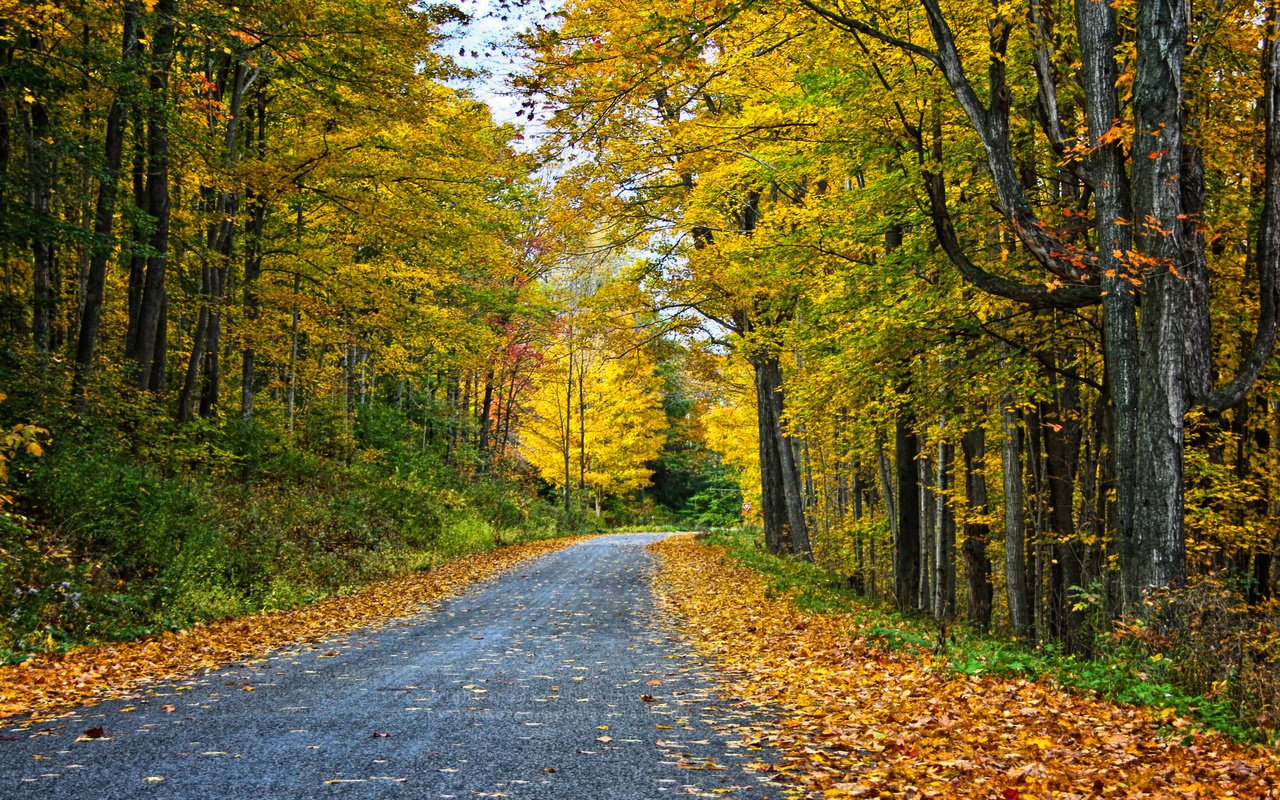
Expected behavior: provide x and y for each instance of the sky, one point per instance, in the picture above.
(491, 38)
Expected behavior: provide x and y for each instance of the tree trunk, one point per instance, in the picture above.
(906, 544)
(927, 505)
(944, 575)
(976, 534)
(886, 485)
(1060, 425)
(198, 339)
(138, 238)
(486, 412)
(147, 350)
(291, 394)
(39, 198)
(782, 503)
(1014, 522)
(100, 248)
(568, 433)
(257, 206)
(212, 380)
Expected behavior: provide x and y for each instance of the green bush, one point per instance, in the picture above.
(209, 522)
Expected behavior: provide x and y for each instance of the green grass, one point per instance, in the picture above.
(1119, 675)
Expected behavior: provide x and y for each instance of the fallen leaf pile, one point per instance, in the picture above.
(49, 684)
(854, 720)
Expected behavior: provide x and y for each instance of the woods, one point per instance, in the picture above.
(280, 300)
(972, 304)
(1005, 276)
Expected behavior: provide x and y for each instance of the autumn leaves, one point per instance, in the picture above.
(858, 720)
(48, 684)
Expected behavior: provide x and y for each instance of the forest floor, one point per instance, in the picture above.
(856, 719)
(46, 685)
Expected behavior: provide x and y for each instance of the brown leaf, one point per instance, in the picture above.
(95, 673)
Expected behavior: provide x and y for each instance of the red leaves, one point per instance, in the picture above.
(1010, 794)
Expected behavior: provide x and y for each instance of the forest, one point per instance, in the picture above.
(972, 305)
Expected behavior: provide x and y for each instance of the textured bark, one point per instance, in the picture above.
(148, 351)
(1061, 430)
(1096, 24)
(782, 503)
(1162, 379)
(906, 542)
(976, 534)
(101, 247)
(944, 574)
(1014, 523)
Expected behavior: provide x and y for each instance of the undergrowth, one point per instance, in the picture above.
(127, 536)
(1123, 671)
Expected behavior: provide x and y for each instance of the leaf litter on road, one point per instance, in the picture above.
(856, 721)
(46, 685)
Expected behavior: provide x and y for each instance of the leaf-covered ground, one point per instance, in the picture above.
(47, 685)
(857, 720)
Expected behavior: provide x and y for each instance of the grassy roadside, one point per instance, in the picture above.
(1118, 673)
(853, 716)
(45, 684)
(110, 540)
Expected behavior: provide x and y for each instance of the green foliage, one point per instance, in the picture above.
(211, 523)
(715, 507)
(1125, 670)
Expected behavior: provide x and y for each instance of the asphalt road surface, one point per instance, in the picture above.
(557, 680)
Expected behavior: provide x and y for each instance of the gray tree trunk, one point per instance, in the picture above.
(944, 574)
(976, 534)
(1014, 523)
(906, 554)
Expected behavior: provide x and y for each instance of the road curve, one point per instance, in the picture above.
(556, 680)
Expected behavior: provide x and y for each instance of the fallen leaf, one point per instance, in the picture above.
(94, 673)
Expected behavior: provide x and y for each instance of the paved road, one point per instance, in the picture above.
(536, 685)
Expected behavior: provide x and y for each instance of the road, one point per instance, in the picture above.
(557, 680)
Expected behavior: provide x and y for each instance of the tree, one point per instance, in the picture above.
(594, 419)
(1148, 206)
